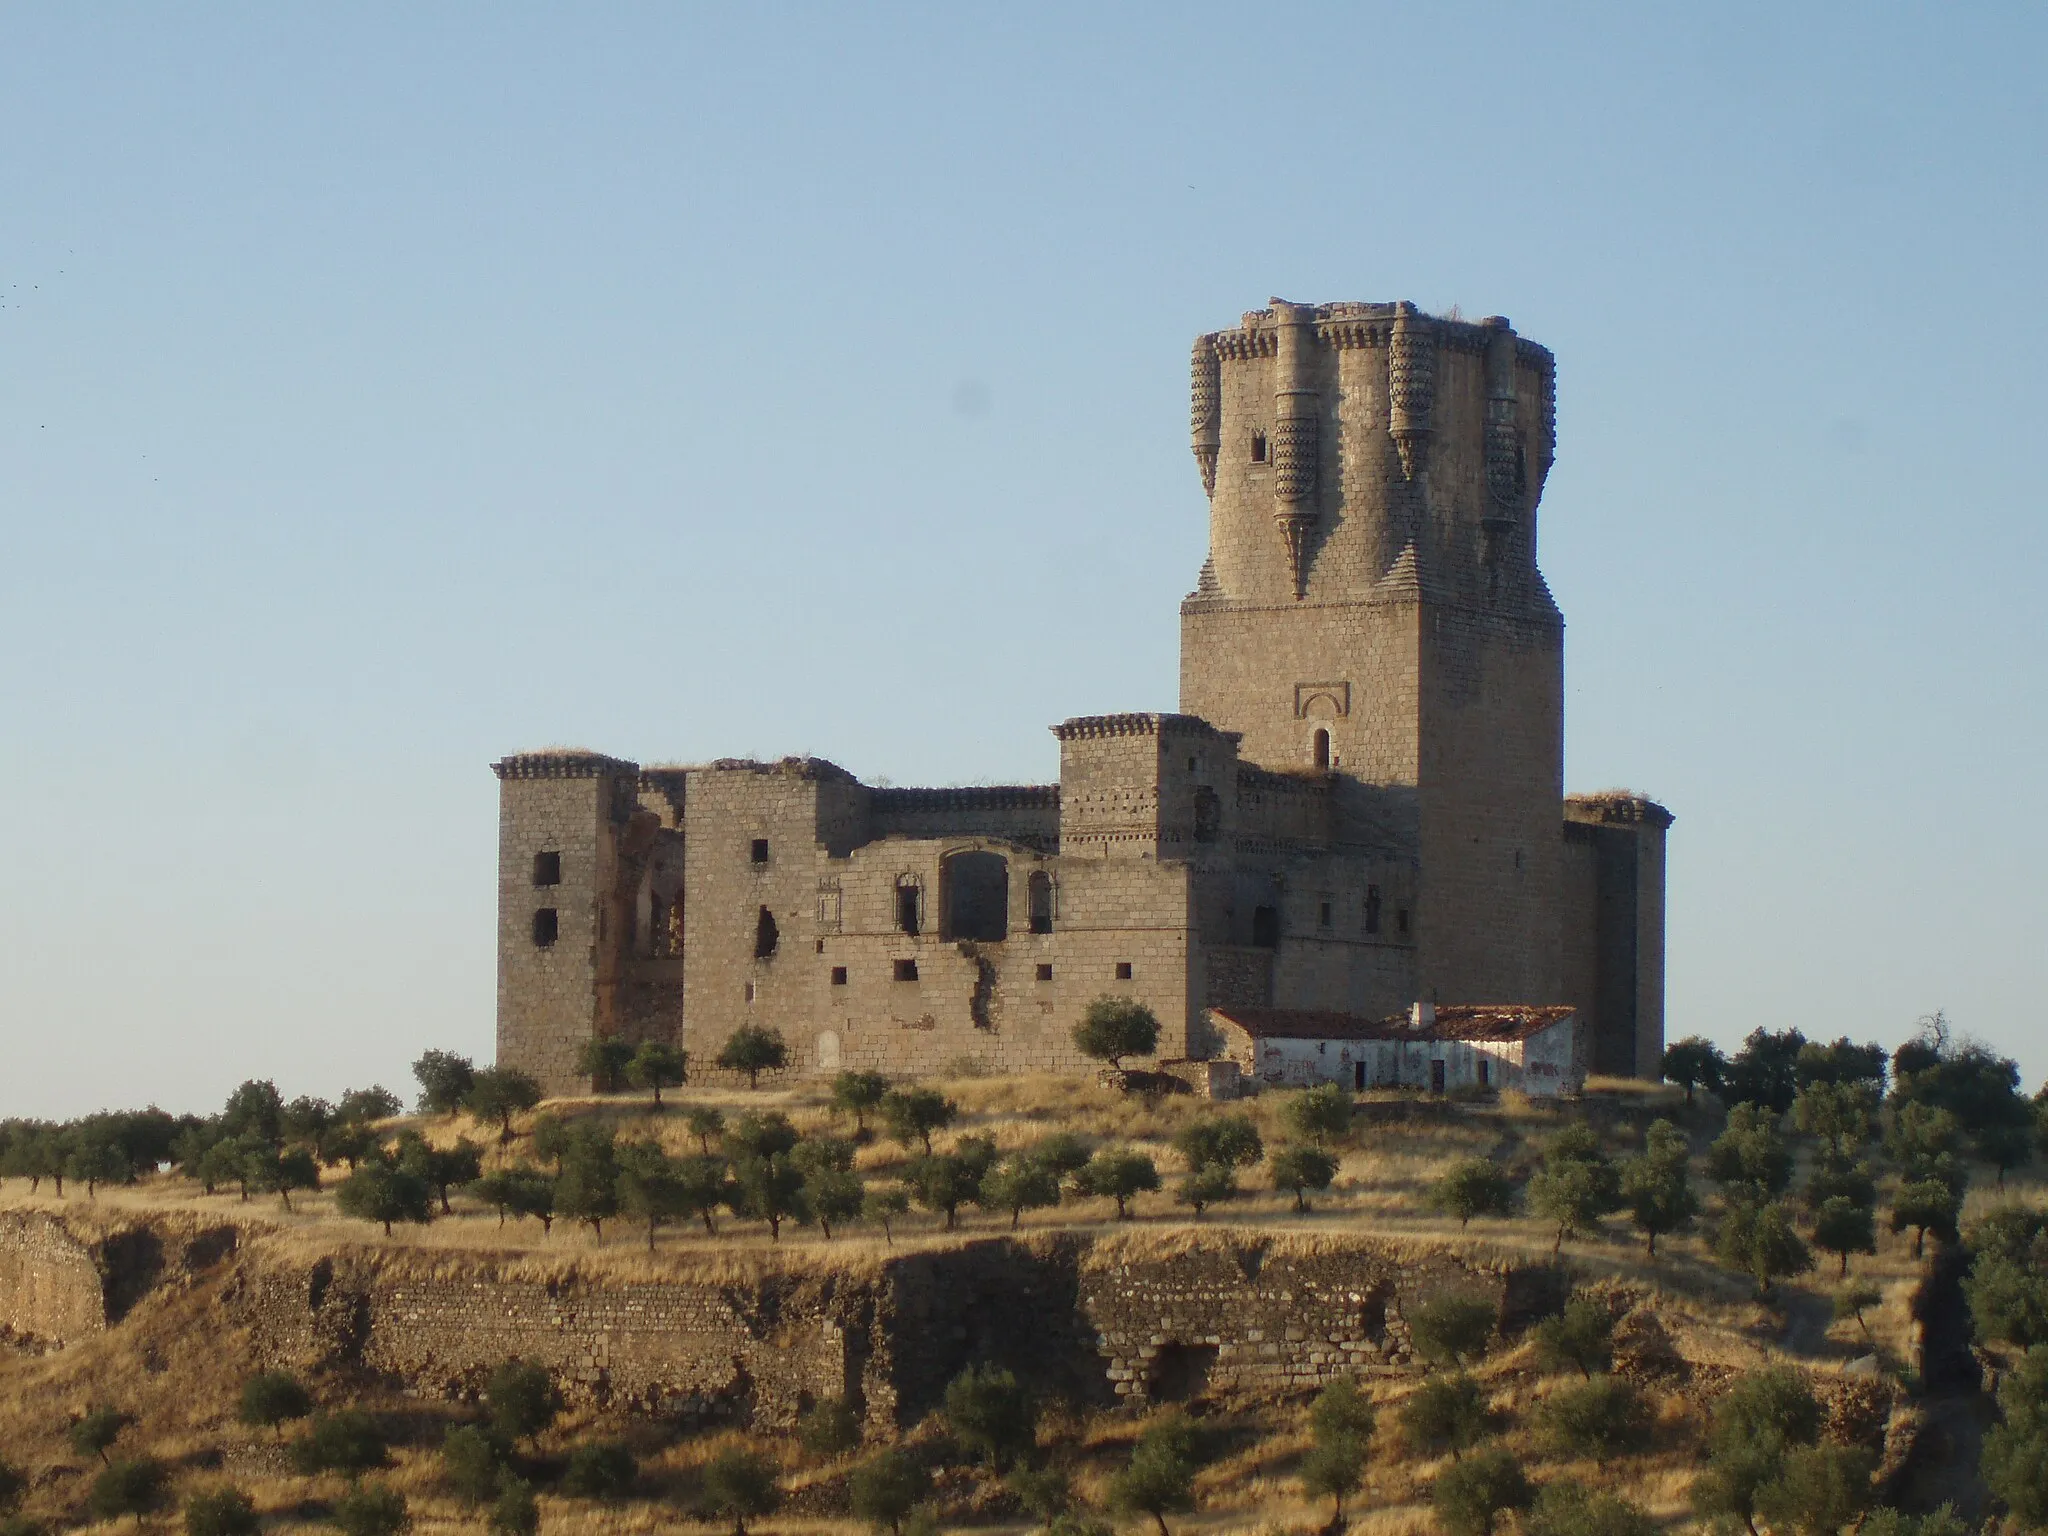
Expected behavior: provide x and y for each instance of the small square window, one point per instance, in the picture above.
(1045, 973)
(838, 975)
(547, 868)
(546, 925)
(1123, 970)
(906, 970)
(760, 850)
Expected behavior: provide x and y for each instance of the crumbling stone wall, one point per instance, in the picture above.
(50, 1284)
(1237, 1315)
(756, 1352)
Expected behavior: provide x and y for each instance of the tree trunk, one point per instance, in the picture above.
(1163, 1531)
(1844, 1270)
(1653, 1243)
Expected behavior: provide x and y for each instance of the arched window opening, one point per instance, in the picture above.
(1322, 748)
(1266, 927)
(1038, 896)
(766, 935)
(976, 891)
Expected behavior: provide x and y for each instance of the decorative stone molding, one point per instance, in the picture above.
(1306, 694)
(1411, 387)
(1205, 414)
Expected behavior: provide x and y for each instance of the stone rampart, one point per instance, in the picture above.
(50, 1284)
(758, 1338)
(1241, 1315)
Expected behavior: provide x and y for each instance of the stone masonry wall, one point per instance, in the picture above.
(50, 1286)
(1238, 1316)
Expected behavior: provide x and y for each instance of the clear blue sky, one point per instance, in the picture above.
(386, 388)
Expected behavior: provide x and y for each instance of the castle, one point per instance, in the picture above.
(1359, 808)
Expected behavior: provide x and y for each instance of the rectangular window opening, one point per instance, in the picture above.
(1323, 915)
(838, 975)
(1401, 919)
(1372, 909)
(547, 868)
(906, 970)
(546, 925)
(1123, 970)
(906, 909)
(1044, 972)
(750, 991)
(1258, 447)
(760, 850)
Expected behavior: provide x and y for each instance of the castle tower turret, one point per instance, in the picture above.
(1397, 632)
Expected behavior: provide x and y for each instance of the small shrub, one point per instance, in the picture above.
(348, 1441)
(1472, 1494)
(831, 1428)
(1602, 1416)
(522, 1399)
(514, 1512)
(94, 1432)
(884, 1490)
(1580, 1337)
(1476, 1186)
(600, 1469)
(740, 1483)
(133, 1485)
(220, 1512)
(472, 1458)
(1445, 1413)
(990, 1415)
(271, 1399)
(1452, 1329)
(1320, 1114)
(372, 1509)
(1569, 1508)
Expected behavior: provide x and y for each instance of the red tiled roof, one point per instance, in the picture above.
(1457, 1021)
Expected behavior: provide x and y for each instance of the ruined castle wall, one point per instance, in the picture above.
(50, 1286)
(1237, 1316)
(756, 1352)
(553, 995)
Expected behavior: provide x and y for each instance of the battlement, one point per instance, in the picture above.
(1617, 807)
(1097, 727)
(570, 763)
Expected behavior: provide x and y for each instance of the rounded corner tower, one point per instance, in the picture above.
(1371, 606)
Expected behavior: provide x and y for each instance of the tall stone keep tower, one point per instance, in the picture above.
(1371, 607)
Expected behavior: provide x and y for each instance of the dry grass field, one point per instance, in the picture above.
(176, 1365)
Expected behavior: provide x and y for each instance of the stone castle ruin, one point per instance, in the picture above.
(1359, 808)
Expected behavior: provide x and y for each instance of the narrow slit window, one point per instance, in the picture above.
(1323, 915)
(1401, 919)
(1372, 909)
(546, 925)
(906, 970)
(759, 851)
(547, 868)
